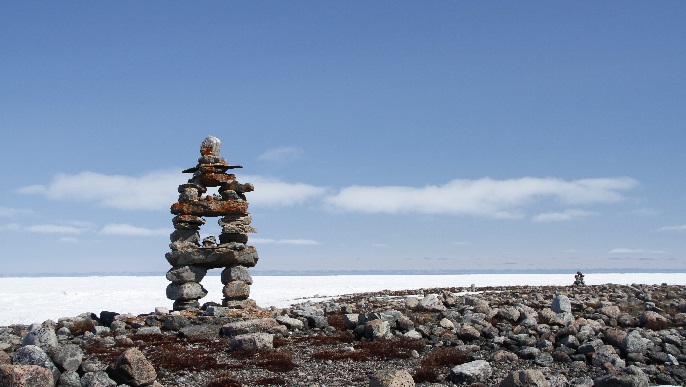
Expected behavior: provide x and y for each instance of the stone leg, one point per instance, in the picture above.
(236, 280)
(185, 288)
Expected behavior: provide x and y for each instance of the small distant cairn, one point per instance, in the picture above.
(579, 279)
(190, 258)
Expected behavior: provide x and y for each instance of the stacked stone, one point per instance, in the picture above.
(189, 257)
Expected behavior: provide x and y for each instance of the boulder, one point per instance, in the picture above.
(252, 342)
(186, 273)
(561, 304)
(431, 303)
(132, 368)
(634, 343)
(391, 378)
(652, 320)
(69, 379)
(249, 326)
(34, 355)
(25, 376)
(472, 372)
(97, 379)
(630, 376)
(68, 357)
(5, 358)
(606, 354)
(45, 338)
(525, 378)
(185, 291)
(236, 290)
(376, 329)
(290, 323)
(236, 273)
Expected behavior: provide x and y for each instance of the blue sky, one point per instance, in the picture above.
(379, 135)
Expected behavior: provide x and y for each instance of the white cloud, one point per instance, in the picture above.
(152, 191)
(272, 192)
(569, 214)
(10, 227)
(483, 197)
(158, 190)
(300, 242)
(7, 212)
(68, 240)
(129, 230)
(55, 229)
(645, 212)
(623, 250)
(281, 154)
(677, 228)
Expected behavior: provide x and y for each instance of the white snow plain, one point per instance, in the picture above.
(25, 300)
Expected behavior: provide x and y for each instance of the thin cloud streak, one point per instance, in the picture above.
(297, 242)
(281, 154)
(571, 214)
(483, 197)
(624, 250)
(130, 230)
(8, 212)
(55, 229)
(678, 228)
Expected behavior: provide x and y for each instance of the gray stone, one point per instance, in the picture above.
(92, 366)
(218, 311)
(236, 273)
(160, 310)
(525, 378)
(132, 368)
(69, 379)
(508, 313)
(174, 323)
(25, 376)
(606, 354)
(185, 291)
(68, 357)
(149, 331)
(467, 332)
(290, 323)
(472, 372)
(45, 338)
(118, 326)
(100, 330)
(187, 236)
(186, 273)
(412, 334)
(634, 343)
(376, 329)
(97, 379)
(34, 355)
(236, 290)
(561, 304)
(250, 326)
(630, 376)
(561, 319)
(252, 342)
(391, 378)
(320, 322)
(431, 303)
(200, 331)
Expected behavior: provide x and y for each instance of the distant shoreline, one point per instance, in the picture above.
(354, 272)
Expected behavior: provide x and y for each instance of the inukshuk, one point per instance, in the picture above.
(189, 257)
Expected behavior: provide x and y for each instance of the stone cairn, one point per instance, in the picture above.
(579, 279)
(189, 257)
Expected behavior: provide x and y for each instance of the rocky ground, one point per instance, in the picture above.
(608, 335)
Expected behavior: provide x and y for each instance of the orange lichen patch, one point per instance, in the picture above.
(214, 179)
(210, 208)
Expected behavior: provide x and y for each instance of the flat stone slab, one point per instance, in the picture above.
(213, 257)
(210, 207)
